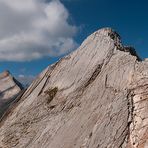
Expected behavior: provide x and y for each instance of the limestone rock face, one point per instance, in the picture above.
(96, 97)
(9, 89)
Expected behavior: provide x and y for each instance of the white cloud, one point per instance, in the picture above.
(32, 29)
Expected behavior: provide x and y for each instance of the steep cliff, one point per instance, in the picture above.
(96, 97)
(9, 90)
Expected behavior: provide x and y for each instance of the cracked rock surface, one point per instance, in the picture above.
(96, 97)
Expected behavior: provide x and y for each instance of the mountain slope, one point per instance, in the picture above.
(96, 97)
(9, 90)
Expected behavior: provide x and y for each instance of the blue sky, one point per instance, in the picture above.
(128, 17)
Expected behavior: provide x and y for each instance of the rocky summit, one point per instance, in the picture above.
(9, 90)
(96, 97)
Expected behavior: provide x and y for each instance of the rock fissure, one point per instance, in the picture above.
(94, 75)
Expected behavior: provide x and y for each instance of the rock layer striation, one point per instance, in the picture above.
(9, 90)
(96, 97)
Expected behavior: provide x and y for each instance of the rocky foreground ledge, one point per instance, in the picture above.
(96, 97)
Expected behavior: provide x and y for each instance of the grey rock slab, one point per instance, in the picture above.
(86, 100)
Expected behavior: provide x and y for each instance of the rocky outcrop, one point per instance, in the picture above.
(9, 90)
(96, 97)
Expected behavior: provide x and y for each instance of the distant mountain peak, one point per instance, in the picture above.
(9, 90)
(6, 73)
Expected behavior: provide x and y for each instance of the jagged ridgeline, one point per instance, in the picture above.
(96, 97)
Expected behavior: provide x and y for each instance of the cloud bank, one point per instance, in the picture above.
(32, 29)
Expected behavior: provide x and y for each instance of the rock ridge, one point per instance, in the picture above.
(96, 97)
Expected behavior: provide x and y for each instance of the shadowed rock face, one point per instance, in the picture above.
(96, 97)
(9, 89)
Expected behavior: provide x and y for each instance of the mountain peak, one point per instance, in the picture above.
(6, 73)
(109, 32)
(94, 97)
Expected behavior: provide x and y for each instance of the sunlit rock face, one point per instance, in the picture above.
(96, 97)
(9, 90)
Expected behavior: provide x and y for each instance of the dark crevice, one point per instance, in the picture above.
(94, 75)
(18, 83)
(130, 105)
(41, 91)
